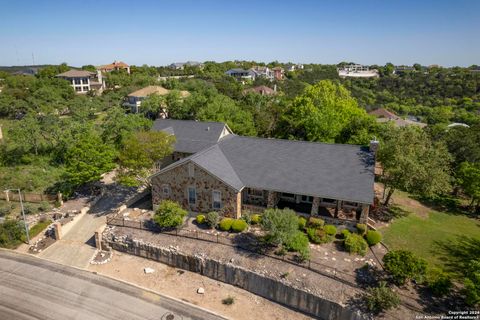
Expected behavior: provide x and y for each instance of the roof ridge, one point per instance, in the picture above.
(298, 141)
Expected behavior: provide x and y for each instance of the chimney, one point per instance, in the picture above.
(374, 144)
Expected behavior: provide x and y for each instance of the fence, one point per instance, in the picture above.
(28, 197)
(253, 247)
(247, 244)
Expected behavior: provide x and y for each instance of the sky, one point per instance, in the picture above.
(318, 31)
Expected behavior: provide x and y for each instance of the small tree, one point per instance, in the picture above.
(412, 162)
(140, 153)
(468, 176)
(279, 224)
(381, 298)
(404, 265)
(169, 214)
(282, 229)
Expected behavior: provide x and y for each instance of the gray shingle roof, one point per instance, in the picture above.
(343, 172)
(76, 74)
(191, 136)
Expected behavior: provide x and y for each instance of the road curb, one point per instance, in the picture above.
(100, 276)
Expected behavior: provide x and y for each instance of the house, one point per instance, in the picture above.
(84, 81)
(263, 72)
(214, 169)
(114, 66)
(383, 115)
(357, 71)
(241, 74)
(32, 71)
(278, 73)
(134, 99)
(262, 90)
(403, 70)
(181, 65)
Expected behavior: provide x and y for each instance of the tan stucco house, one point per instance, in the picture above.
(214, 169)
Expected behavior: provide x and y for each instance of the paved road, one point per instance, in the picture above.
(32, 288)
(77, 247)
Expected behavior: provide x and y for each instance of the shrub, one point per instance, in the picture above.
(318, 236)
(12, 233)
(381, 298)
(239, 225)
(4, 211)
(403, 265)
(345, 233)
(302, 223)
(355, 243)
(373, 237)
(228, 301)
(299, 243)
(255, 219)
(361, 228)
(212, 219)
(472, 283)
(439, 281)
(315, 222)
(225, 224)
(200, 218)
(330, 230)
(280, 224)
(44, 206)
(247, 217)
(169, 214)
(28, 209)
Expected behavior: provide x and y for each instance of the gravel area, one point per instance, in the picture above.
(184, 285)
(293, 275)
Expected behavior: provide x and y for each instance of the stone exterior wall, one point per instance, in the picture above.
(178, 181)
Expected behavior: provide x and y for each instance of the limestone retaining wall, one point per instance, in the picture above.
(261, 285)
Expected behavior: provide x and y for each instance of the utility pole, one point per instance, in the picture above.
(23, 213)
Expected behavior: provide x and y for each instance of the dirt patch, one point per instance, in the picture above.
(409, 204)
(183, 285)
(41, 244)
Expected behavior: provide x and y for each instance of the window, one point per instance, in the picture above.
(217, 199)
(191, 170)
(192, 195)
(328, 200)
(78, 89)
(166, 190)
(307, 199)
(256, 193)
(85, 88)
(85, 80)
(288, 195)
(77, 81)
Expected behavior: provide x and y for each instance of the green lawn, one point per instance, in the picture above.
(425, 236)
(39, 227)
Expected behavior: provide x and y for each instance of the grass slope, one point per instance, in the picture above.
(427, 236)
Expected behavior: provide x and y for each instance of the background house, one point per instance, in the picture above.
(84, 81)
(262, 90)
(383, 115)
(114, 66)
(134, 99)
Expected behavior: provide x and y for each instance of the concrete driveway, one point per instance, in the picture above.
(77, 247)
(32, 288)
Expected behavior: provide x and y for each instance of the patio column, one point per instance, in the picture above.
(271, 199)
(364, 214)
(238, 211)
(315, 204)
(337, 208)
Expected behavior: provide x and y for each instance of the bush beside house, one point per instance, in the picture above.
(169, 214)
